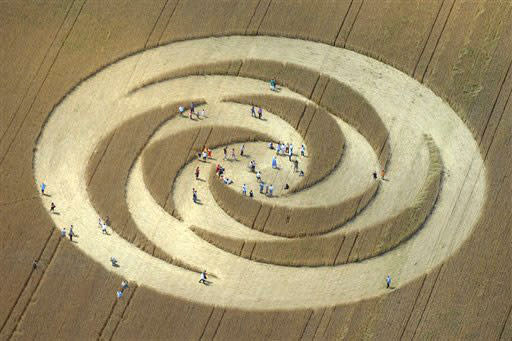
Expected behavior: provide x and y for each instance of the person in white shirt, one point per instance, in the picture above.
(203, 278)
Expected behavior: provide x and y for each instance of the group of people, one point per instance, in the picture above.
(205, 154)
(260, 112)
(124, 286)
(287, 149)
(192, 111)
(233, 154)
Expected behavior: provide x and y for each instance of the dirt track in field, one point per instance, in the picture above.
(471, 72)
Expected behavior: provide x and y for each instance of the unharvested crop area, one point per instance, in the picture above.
(49, 47)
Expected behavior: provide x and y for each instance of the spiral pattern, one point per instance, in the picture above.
(116, 146)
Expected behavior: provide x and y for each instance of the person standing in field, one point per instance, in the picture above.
(244, 189)
(225, 153)
(104, 228)
(260, 113)
(290, 154)
(274, 162)
(242, 150)
(233, 156)
(258, 176)
(43, 187)
(124, 285)
(194, 195)
(71, 233)
(63, 233)
(296, 165)
(262, 185)
(253, 111)
(203, 278)
(273, 85)
(197, 173)
(181, 109)
(251, 194)
(302, 150)
(270, 190)
(52, 207)
(388, 282)
(375, 175)
(205, 155)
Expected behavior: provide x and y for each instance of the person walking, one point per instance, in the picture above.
(262, 186)
(375, 175)
(52, 207)
(104, 228)
(71, 233)
(253, 111)
(388, 281)
(203, 278)
(63, 233)
(244, 189)
(43, 187)
(260, 113)
(296, 165)
(194, 195)
(290, 154)
(258, 176)
(181, 109)
(225, 153)
(233, 156)
(197, 173)
(251, 194)
(242, 149)
(205, 155)
(270, 190)
(302, 150)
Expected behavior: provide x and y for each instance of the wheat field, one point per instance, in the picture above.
(417, 90)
